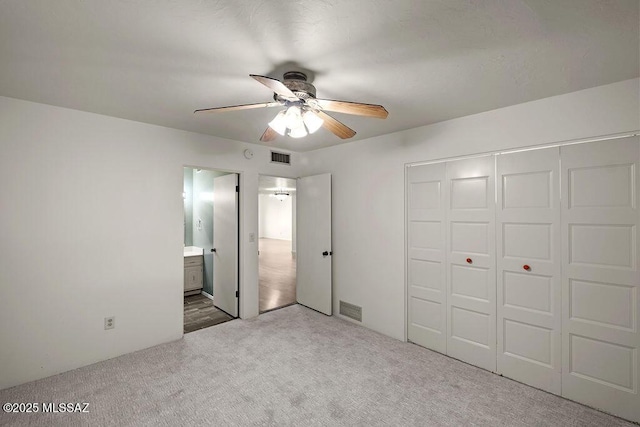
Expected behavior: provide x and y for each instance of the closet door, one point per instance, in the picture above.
(600, 296)
(528, 268)
(426, 251)
(471, 278)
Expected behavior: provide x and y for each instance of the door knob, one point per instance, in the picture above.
(469, 261)
(325, 253)
(214, 250)
(526, 267)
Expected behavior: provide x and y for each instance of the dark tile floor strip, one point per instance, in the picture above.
(199, 313)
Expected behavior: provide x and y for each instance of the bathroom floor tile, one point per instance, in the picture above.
(200, 313)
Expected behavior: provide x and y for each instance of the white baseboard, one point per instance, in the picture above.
(207, 295)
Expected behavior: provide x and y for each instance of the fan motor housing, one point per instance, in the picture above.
(297, 83)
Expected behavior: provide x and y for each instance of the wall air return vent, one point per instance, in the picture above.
(352, 311)
(282, 158)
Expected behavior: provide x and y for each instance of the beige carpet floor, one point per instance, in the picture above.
(293, 367)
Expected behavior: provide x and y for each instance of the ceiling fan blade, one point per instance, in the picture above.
(359, 109)
(277, 86)
(339, 129)
(238, 107)
(268, 135)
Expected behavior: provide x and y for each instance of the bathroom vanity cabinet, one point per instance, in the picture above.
(193, 274)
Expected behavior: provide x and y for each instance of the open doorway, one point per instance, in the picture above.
(277, 242)
(210, 247)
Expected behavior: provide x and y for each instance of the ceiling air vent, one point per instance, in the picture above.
(283, 158)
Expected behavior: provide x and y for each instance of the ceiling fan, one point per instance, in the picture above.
(303, 113)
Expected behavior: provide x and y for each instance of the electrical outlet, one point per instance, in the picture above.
(109, 322)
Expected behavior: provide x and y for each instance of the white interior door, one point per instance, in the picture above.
(528, 268)
(313, 256)
(225, 243)
(471, 271)
(427, 309)
(600, 295)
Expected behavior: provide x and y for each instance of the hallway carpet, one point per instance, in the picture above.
(294, 367)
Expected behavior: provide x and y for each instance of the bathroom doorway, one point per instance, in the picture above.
(277, 242)
(211, 250)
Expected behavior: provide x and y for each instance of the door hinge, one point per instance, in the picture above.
(237, 188)
(237, 294)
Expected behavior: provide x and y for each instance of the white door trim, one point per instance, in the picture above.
(527, 148)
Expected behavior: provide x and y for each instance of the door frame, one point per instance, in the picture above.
(239, 219)
(293, 231)
(248, 225)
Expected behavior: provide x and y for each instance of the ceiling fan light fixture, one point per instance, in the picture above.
(299, 124)
(298, 131)
(304, 113)
(279, 123)
(293, 117)
(281, 195)
(312, 121)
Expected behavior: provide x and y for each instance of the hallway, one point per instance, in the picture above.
(277, 274)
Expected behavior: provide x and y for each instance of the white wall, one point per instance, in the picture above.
(74, 247)
(368, 183)
(275, 217)
(91, 220)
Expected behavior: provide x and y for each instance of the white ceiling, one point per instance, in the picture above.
(425, 61)
(271, 184)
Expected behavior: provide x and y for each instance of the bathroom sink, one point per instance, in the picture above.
(193, 251)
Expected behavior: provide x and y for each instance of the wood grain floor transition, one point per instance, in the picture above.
(200, 313)
(277, 274)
